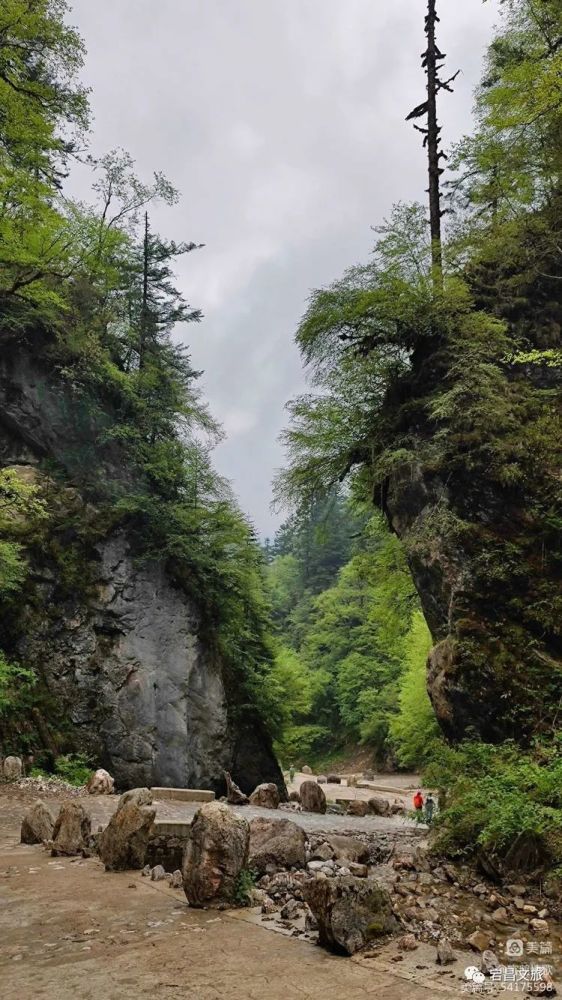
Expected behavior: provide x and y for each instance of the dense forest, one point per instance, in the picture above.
(353, 639)
(411, 601)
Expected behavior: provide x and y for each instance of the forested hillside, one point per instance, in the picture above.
(435, 374)
(109, 504)
(353, 639)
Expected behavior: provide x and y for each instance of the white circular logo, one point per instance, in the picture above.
(474, 975)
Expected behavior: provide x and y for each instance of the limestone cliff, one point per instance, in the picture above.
(123, 659)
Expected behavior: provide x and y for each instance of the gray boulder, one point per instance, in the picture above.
(350, 912)
(72, 831)
(123, 843)
(266, 796)
(312, 797)
(37, 824)
(357, 808)
(380, 807)
(348, 848)
(275, 844)
(215, 854)
(135, 796)
(100, 783)
(13, 768)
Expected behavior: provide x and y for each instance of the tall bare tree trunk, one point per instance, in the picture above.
(432, 62)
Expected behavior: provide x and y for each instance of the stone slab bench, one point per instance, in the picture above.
(183, 794)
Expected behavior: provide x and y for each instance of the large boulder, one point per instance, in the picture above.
(357, 808)
(348, 849)
(266, 796)
(234, 794)
(215, 854)
(123, 843)
(306, 769)
(37, 824)
(100, 783)
(13, 768)
(72, 831)
(135, 796)
(350, 912)
(312, 797)
(379, 806)
(275, 844)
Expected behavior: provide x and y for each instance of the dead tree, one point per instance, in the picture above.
(433, 62)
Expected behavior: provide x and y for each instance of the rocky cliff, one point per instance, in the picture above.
(126, 667)
(486, 563)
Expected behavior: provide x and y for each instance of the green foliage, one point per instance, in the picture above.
(343, 649)
(91, 286)
(414, 730)
(74, 768)
(245, 882)
(16, 685)
(494, 795)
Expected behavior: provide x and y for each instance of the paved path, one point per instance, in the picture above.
(101, 807)
(70, 930)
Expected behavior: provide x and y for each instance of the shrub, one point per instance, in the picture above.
(245, 882)
(73, 768)
(495, 797)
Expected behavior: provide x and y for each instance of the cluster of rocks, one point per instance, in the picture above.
(159, 874)
(67, 835)
(344, 890)
(12, 769)
(447, 902)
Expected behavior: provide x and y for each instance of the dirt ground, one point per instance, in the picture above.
(70, 930)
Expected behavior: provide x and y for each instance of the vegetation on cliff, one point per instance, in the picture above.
(435, 373)
(87, 290)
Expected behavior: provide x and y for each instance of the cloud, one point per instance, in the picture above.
(282, 123)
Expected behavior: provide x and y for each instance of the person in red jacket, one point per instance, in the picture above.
(418, 801)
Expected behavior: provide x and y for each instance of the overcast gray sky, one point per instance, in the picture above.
(282, 124)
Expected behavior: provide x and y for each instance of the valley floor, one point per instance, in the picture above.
(70, 930)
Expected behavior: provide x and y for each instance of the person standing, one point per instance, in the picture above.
(429, 809)
(418, 802)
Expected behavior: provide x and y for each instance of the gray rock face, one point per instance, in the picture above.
(350, 912)
(145, 694)
(37, 824)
